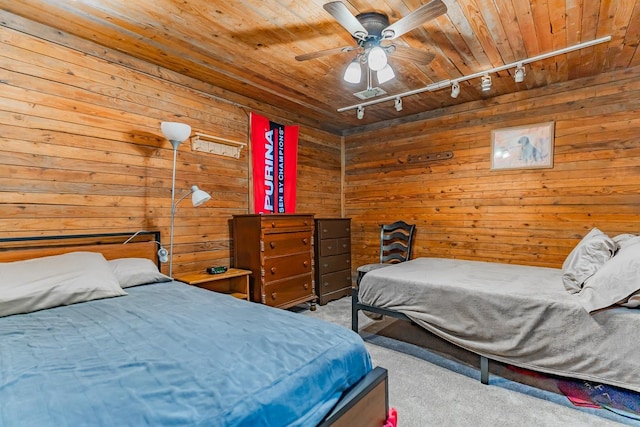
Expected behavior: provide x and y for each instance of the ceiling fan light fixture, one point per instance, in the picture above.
(377, 58)
(455, 90)
(486, 83)
(518, 76)
(353, 73)
(385, 74)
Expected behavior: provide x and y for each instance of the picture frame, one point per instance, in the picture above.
(523, 147)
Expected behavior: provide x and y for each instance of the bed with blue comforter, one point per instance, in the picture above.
(171, 354)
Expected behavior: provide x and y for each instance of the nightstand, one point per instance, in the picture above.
(234, 281)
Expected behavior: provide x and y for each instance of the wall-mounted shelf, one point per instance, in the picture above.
(216, 145)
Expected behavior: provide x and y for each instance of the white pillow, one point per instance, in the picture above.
(616, 281)
(586, 258)
(39, 283)
(625, 240)
(136, 271)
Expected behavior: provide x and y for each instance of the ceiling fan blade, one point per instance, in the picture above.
(339, 11)
(424, 13)
(409, 54)
(321, 53)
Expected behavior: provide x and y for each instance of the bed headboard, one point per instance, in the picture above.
(144, 245)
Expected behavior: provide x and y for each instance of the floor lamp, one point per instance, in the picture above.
(176, 133)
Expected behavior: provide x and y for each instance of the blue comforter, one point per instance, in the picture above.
(172, 354)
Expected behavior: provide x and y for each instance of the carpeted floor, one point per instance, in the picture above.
(433, 383)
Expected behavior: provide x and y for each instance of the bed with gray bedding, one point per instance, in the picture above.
(522, 315)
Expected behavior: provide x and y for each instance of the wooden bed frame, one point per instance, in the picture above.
(366, 404)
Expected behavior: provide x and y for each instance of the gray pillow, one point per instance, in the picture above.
(46, 282)
(618, 280)
(136, 271)
(593, 251)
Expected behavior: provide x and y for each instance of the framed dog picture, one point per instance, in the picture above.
(522, 147)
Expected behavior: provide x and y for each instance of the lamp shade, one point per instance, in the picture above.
(385, 74)
(198, 196)
(377, 58)
(353, 74)
(174, 131)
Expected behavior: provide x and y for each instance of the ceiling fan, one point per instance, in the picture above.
(374, 37)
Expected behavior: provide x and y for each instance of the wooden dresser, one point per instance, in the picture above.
(278, 249)
(333, 258)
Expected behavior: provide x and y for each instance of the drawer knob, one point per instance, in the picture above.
(305, 240)
(324, 230)
(344, 245)
(272, 245)
(273, 295)
(347, 229)
(348, 261)
(326, 283)
(306, 286)
(273, 270)
(305, 263)
(329, 247)
(325, 265)
(273, 225)
(306, 222)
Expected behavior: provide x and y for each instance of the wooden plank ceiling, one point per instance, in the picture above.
(248, 48)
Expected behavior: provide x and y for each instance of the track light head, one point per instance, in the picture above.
(455, 90)
(398, 104)
(519, 74)
(486, 83)
(360, 112)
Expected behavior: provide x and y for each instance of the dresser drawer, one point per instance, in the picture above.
(329, 229)
(287, 266)
(287, 290)
(334, 281)
(333, 263)
(284, 223)
(334, 246)
(286, 243)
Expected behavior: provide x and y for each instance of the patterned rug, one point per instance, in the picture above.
(588, 394)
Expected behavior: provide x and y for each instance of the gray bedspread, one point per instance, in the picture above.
(512, 313)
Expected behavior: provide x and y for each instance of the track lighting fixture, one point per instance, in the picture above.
(455, 89)
(518, 76)
(486, 83)
(398, 104)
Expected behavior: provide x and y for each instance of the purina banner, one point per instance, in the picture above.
(275, 159)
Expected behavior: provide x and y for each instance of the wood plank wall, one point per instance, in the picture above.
(81, 149)
(465, 210)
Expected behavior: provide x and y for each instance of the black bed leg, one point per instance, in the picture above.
(484, 370)
(354, 310)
